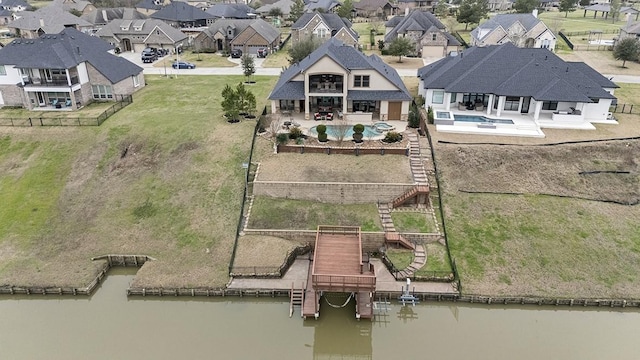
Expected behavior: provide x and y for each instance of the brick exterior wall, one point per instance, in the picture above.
(13, 96)
(335, 193)
(123, 87)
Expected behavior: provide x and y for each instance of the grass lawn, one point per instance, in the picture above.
(536, 244)
(200, 60)
(161, 177)
(92, 110)
(277, 213)
(628, 94)
(279, 59)
(400, 258)
(263, 251)
(418, 222)
(437, 260)
(575, 21)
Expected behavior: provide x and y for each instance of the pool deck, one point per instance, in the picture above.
(305, 125)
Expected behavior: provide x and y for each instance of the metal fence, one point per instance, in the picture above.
(69, 120)
(566, 40)
(624, 109)
(245, 191)
(607, 31)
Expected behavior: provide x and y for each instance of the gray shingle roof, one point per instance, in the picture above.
(50, 19)
(103, 16)
(370, 5)
(265, 29)
(283, 5)
(292, 90)
(65, 50)
(231, 11)
(377, 95)
(222, 24)
(326, 5)
(78, 5)
(115, 28)
(14, 3)
(346, 56)
(181, 11)
(416, 21)
(633, 28)
(149, 4)
(511, 71)
(333, 21)
(607, 8)
(505, 21)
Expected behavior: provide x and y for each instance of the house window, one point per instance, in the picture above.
(321, 33)
(546, 43)
(550, 105)
(3, 70)
(136, 81)
(102, 92)
(361, 81)
(454, 97)
(437, 97)
(434, 37)
(364, 105)
(287, 104)
(512, 103)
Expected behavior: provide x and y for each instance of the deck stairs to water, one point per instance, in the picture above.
(297, 297)
(418, 195)
(391, 236)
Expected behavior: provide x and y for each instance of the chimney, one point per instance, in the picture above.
(104, 15)
(78, 49)
(41, 22)
(535, 13)
(406, 11)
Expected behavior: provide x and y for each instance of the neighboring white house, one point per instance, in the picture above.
(64, 71)
(339, 80)
(522, 30)
(504, 81)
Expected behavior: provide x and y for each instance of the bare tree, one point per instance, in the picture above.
(341, 130)
(274, 126)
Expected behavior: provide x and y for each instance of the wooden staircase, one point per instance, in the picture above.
(396, 238)
(391, 236)
(297, 297)
(418, 193)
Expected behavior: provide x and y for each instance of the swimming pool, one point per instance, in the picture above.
(480, 119)
(346, 132)
(382, 126)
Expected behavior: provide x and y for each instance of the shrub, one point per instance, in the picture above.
(358, 128)
(420, 101)
(321, 129)
(295, 133)
(282, 138)
(414, 117)
(430, 115)
(392, 136)
(322, 137)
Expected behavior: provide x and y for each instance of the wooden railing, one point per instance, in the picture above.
(345, 282)
(339, 230)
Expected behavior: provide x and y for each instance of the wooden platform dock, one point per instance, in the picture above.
(338, 266)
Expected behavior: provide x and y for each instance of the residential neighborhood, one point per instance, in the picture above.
(380, 171)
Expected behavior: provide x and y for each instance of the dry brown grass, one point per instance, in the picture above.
(407, 62)
(603, 61)
(267, 251)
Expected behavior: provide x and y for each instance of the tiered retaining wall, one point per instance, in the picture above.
(330, 192)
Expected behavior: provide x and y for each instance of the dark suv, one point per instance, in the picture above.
(236, 53)
(149, 55)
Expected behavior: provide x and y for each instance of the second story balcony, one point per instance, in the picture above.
(52, 81)
(326, 83)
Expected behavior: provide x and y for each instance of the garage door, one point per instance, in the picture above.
(395, 109)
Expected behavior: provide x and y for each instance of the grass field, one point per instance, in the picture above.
(418, 222)
(277, 213)
(163, 177)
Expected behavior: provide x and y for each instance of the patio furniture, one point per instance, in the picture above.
(316, 116)
(479, 106)
(54, 102)
(330, 116)
(469, 105)
(67, 103)
(461, 106)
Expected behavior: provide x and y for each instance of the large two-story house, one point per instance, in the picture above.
(522, 30)
(135, 35)
(529, 83)
(323, 27)
(426, 32)
(64, 71)
(247, 35)
(337, 80)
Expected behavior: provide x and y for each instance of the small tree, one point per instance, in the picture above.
(381, 45)
(346, 9)
(414, 116)
(566, 6)
(248, 66)
(230, 104)
(358, 130)
(525, 6)
(275, 12)
(302, 49)
(322, 132)
(614, 10)
(472, 11)
(442, 9)
(627, 49)
(297, 9)
(401, 46)
(250, 105)
(430, 115)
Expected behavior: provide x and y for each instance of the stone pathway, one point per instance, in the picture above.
(415, 160)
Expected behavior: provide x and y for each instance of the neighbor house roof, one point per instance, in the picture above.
(228, 11)
(103, 16)
(505, 21)
(371, 5)
(221, 25)
(5, 12)
(607, 7)
(333, 21)
(50, 19)
(119, 27)
(181, 11)
(283, 5)
(67, 49)
(324, 5)
(68, 5)
(265, 29)
(416, 21)
(507, 70)
(149, 4)
(14, 3)
(350, 59)
(633, 28)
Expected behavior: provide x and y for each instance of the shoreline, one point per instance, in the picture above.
(279, 291)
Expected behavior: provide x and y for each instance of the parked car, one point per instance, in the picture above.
(183, 65)
(149, 55)
(263, 52)
(236, 53)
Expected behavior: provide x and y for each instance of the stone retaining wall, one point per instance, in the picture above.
(331, 192)
(371, 241)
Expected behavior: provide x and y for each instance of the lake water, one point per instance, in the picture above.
(109, 325)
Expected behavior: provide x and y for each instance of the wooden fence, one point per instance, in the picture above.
(69, 120)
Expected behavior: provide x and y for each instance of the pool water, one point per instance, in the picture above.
(346, 132)
(442, 115)
(481, 119)
(383, 126)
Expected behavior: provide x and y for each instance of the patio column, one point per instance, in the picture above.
(490, 104)
(306, 108)
(536, 114)
(344, 105)
(447, 101)
(68, 78)
(501, 100)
